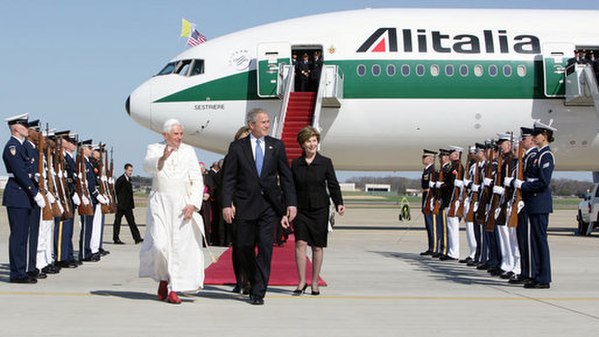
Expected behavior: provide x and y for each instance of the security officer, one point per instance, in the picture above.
(63, 233)
(523, 231)
(536, 192)
(428, 160)
(21, 198)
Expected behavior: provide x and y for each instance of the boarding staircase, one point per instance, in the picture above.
(299, 109)
(581, 86)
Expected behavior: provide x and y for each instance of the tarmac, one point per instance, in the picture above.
(378, 285)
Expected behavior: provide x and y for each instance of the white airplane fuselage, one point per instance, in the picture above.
(412, 79)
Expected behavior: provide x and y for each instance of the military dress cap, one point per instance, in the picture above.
(87, 142)
(454, 148)
(35, 125)
(444, 152)
(502, 136)
(472, 149)
(427, 153)
(481, 146)
(525, 132)
(19, 119)
(63, 134)
(539, 127)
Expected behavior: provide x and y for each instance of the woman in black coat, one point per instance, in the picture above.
(312, 174)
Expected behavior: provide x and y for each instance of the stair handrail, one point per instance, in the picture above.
(337, 84)
(591, 85)
(318, 105)
(286, 81)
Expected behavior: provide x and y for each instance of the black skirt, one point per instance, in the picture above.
(312, 226)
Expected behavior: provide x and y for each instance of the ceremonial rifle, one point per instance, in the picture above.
(429, 196)
(456, 193)
(81, 185)
(47, 211)
(474, 197)
(514, 207)
(495, 198)
(50, 174)
(111, 188)
(503, 203)
(102, 187)
(464, 191)
(438, 193)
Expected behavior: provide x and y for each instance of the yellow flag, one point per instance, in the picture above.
(185, 28)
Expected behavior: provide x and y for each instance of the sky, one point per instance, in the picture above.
(72, 63)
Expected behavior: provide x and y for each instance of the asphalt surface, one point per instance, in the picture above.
(378, 285)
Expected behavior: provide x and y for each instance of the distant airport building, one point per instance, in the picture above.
(347, 187)
(377, 188)
(414, 192)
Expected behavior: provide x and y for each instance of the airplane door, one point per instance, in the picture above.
(270, 55)
(555, 59)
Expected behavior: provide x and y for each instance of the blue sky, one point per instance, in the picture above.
(73, 63)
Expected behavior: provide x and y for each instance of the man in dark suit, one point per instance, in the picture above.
(125, 206)
(253, 197)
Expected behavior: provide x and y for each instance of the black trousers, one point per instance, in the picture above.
(116, 232)
(260, 233)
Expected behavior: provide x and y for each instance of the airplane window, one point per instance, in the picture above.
(478, 70)
(449, 70)
(197, 68)
(493, 70)
(464, 70)
(361, 70)
(183, 67)
(521, 70)
(405, 70)
(420, 70)
(376, 70)
(390, 70)
(507, 70)
(168, 69)
(435, 70)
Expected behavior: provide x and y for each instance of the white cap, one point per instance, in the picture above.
(503, 136)
(19, 119)
(454, 148)
(538, 126)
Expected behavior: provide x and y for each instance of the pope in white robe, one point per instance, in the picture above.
(172, 250)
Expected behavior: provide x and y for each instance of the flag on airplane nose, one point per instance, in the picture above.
(195, 38)
(185, 28)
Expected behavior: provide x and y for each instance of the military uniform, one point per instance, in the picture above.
(425, 184)
(87, 221)
(21, 198)
(453, 176)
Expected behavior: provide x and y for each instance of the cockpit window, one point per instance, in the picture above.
(184, 68)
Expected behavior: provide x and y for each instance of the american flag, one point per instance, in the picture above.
(195, 38)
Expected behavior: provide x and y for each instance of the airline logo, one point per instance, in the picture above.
(394, 40)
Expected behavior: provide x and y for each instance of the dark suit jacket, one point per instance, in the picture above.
(311, 182)
(252, 193)
(124, 193)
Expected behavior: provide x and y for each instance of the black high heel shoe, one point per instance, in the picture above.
(298, 291)
(315, 292)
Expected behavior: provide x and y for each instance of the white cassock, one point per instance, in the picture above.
(172, 247)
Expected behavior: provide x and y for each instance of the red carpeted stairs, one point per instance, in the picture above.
(299, 114)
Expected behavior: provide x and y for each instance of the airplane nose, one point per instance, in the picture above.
(128, 105)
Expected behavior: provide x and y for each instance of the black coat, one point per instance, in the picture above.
(311, 182)
(124, 193)
(252, 193)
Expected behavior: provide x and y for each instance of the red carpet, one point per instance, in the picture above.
(283, 271)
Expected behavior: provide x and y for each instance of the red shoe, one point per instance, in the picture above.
(173, 298)
(162, 290)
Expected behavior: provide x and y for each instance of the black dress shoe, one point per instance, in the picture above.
(436, 255)
(466, 260)
(67, 264)
(118, 242)
(517, 279)
(26, 279)
(139, 241)
(236, 289)
(536, 285)
(472, 263)
(428, 252)
(447, 258)
(496, 272)
(93, 258)
(103, 252)
(50, 269)
(37, 275)
(482, 266)
(256, 300)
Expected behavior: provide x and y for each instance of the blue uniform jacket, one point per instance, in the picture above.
(90, 178)
(20, 189)
(536, 188)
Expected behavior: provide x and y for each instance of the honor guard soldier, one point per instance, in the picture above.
(21, 198)
(453, 177)
(87, 221)
(523, 229)
(63, 230)
(439, 204)
(428, 160)
(471, 167)
(538, 202)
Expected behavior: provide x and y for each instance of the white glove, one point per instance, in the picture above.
(518, 183)
(498, 190)
(39, 200)
(76, 199)
(60, 208)
(467, 182)
(431, 184)
(111, 181)
(37, 178)
(50, 198)
(458, 183)
(438, 184)
(520, 206)
(102, 199)
(475, 207)
(497, 211)
(475, 188)
(103, 179)
(457, 204)
(507, 182)
(487, 182)
(85, 200)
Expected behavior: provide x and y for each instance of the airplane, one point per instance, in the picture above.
(394, 81)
